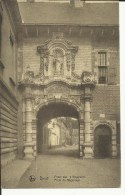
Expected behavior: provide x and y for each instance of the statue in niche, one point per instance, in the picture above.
(58, 60)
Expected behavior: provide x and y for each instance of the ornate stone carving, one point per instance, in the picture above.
(58, 61)
(68, 60)
(76, 100)
(28, 76)
(37, 101)
(57, 88)
(88, 77)
(75, 76)
(53, 49)
(44, 61)
(103, 122)
(73, 60)
(57, 35)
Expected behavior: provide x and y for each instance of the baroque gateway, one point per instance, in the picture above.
(67, 65)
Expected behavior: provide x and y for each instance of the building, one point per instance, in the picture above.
(9, 21)
(50, 134)
(68, 66)
(53, 133)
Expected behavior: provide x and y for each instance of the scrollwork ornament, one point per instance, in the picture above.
(73, 61)
(88, 77)
(28, 76)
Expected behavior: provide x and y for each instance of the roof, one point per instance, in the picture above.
(64, 13)
(14, 10)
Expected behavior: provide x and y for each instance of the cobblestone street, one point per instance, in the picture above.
(62, 171)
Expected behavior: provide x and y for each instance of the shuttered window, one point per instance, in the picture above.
(102, 68)
(102, 75)
(102, 58)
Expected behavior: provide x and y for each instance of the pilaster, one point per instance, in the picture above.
(81, 137)
(28, 147)
(114, 145)
(88, 152)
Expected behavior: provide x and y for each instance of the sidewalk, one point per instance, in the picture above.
(11, 173)
(62, 171)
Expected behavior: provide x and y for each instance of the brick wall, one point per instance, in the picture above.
(8, 89)
(8, 49)
(32, 58)
(112, 53)
(86, 57)
(106, 101)
(106, 98)
(8, 124)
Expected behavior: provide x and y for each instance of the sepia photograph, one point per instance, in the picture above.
(60, 121)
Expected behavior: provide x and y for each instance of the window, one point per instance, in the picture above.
(102, 68)
(102, 58)
(102, 75)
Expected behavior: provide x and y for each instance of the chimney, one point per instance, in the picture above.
(77, 3)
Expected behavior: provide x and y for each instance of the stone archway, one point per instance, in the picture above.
(78, 96)
(102, 141)
(53, 110)
(47, 85)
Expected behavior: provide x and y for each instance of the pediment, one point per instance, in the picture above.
(57, 42)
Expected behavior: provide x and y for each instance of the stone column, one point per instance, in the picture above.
(88, 152)
(114, 145)
(28, 150)
(34, 135)
(81, 138)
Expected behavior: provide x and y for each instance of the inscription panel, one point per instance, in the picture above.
(58, 89)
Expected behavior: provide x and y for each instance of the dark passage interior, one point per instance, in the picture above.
(58, 130)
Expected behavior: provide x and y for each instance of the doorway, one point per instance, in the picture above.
(102, 142)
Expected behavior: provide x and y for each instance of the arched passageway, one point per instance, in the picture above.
(102, 142)
(50, 112)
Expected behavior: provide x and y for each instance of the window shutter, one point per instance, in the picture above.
(111, 76)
